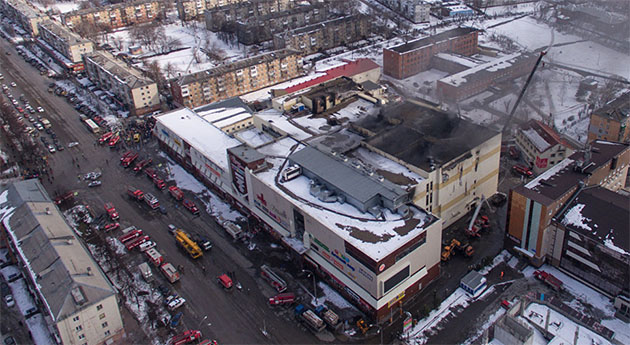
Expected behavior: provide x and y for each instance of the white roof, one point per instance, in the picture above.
(278, 120)
(223, 117)
(535, 138)
(493, 66)
(200, 134)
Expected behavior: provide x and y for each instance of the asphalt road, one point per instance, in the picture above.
(232, 316)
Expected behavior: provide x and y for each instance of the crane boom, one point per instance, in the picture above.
(520, 96)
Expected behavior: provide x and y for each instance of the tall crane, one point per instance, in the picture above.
(520, 96)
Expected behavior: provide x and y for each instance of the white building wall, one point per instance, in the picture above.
(94, 324)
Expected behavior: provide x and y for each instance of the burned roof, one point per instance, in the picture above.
(422, 42)
(422, 136)
(561, 178)
(601, 215)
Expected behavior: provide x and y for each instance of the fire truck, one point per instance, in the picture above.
(269, 275)
(176, 193)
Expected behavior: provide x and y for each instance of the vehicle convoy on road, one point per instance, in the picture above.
(187, 244)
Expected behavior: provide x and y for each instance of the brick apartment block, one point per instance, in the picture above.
(195, 9)
(116, 15)
(413, 57)
(324, 35)
(224, 18)
(237, 78)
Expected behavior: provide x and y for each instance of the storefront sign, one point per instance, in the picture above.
(396, 299)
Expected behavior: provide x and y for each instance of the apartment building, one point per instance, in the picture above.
(541, 146)
(416, 11)
(325, 35)
(57, 39)
(224, 18)
(78, 303)
(477, 79)
(532, 206)
(254, 30)
(24, 13)
(591, 239)
(237, 78)
(139, 94)
(612, 121)
(116, 15)
(413, 57)
(195, 9)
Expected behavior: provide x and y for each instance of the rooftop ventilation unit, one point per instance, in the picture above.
(315, 189)
(404, 211)
(327, 196)
(376, 212)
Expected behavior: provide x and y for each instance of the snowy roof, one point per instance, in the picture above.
(423, 42)
(126, 74)
(492, 67)
(602, 215)
(460, 59)
(25, 8)
(559, 179)
(200, 134)
(225, 113)
(281, 122)
(375, 238)
(617, 110)
(541, 136)
(62, 33)
(66, 276)
(473, 280)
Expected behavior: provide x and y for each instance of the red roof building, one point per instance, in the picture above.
(542, 147)
(358, 70)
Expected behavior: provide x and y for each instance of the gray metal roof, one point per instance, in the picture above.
(50, 249)
(473, 279)
(343, 177)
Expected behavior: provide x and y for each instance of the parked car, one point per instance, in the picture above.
(94, 183)
(8, 299)
(522, 170)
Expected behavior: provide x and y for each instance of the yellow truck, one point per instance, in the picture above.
(191, 247)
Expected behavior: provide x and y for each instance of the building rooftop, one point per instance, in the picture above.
(319, 26)
(541, 135)
(120, 70)
(483, 70)
(601, 215)
(26, 9)
(66, 276)
(234, 66)
(473, 279)
(204, 137)
(349, 69)
(617, 110)
(225, 113)
(421, 136)
(255, 20)
(423, 42)
(63, 33)
(555, 182)
(109, 7)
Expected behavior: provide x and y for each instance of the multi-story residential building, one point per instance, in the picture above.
(194, 9)
(24, 13)
(362, 223)
(78, 302)
(224, 18)
(532, 206)
(408, 59)
(541, 146)
(477, 79)
(237, 78)
(116, 15)
(325, 35)
(254, 30)
(139, 94)
(612, 121)
(590, 238)
(416, 11)
(57, 39)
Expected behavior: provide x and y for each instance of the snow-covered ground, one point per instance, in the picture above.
(531, 34)
(192, 41)
(61, 7)
(215, 206)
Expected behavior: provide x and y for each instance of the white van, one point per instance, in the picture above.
(146, 272)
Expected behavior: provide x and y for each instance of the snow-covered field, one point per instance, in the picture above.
(192, 42)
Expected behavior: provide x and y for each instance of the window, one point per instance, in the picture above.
(396, 279)
(104, 324)
(81, 336)
(99, 307)
(75, 319)
(107, 333)
(102, 316)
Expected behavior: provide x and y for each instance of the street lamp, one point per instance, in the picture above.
(202, 320)
(314, 285)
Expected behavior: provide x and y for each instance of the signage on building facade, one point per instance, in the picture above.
(340, 261)
(396, 299)
(270, 210)
(238, 174)
(541, 162)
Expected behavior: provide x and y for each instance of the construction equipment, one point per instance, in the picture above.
(188, 245)
(520, 96)
(466, 249)
(475, 224)
(448, 250)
